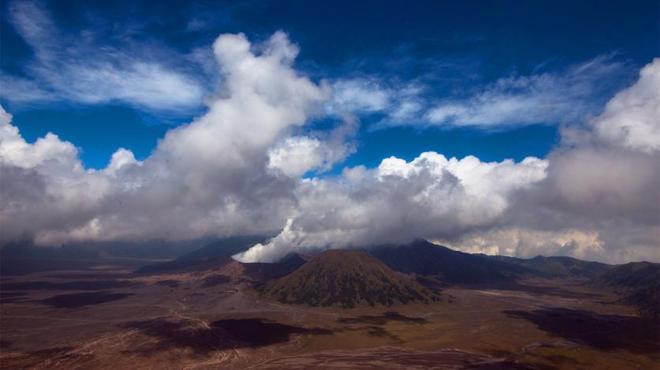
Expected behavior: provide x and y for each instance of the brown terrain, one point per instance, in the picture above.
(346, 278)
(229, 315)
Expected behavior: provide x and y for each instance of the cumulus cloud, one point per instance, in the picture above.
(244, 167)
(603, 181)
(430, 196)
(631, 118)
(120, 159)
(595, 196)
(49, 149)
(614, 175)
(74, 68)
(296, 155)
(209, 177)
(529, 243)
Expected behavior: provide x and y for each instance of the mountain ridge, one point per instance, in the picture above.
(638, 283)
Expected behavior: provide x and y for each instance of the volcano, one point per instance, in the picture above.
(346, 278)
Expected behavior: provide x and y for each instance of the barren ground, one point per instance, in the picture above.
(111, 318)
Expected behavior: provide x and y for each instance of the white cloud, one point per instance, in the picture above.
(430, 196)
(49, 149)
(5, 117)
(530, 243)
(122, 158)
(519, 100)
(43, 185)
(596, 197)
(296, 155)
(235, 170)
(135, 82)
(359, 95)
(557, 97)
(367, 95)
(602, 188)
(74, 68)
(632, 118)
(209, 177)
(21, 90)
(611, 167)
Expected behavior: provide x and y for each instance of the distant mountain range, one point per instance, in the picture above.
(23, 257)
(429, 264)
(453, 267)
(378, 275)
(421, 258)
(446, 265)
(558, 266)
(638, 283)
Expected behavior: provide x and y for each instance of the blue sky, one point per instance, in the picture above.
(470, 56)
